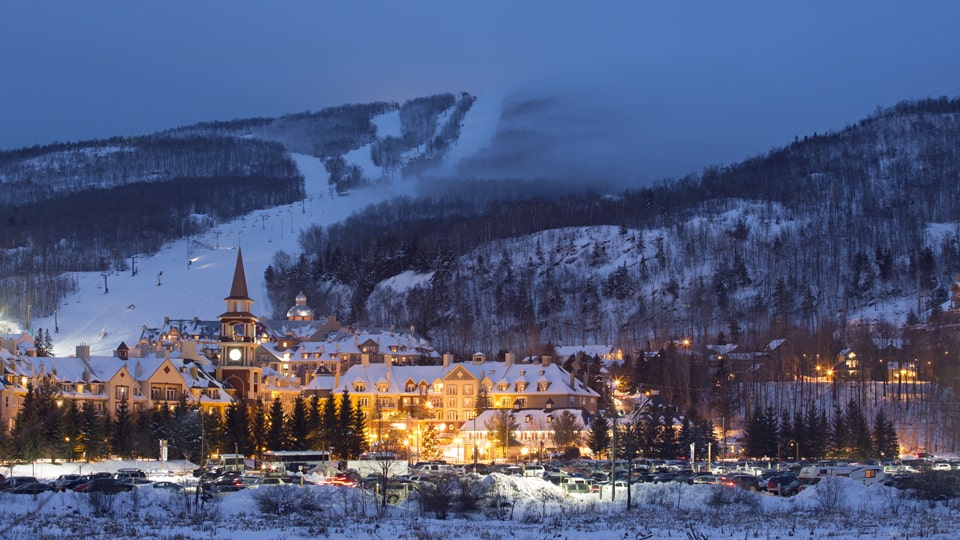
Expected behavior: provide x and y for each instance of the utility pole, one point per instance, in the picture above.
(105, 289)
(133, 265)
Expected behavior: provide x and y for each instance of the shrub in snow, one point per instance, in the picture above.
(933, 485)
(435, 496)
(284, 500)
(473, 491)
(101, 504)
(830, 494)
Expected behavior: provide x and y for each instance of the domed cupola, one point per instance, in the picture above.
(300, 312)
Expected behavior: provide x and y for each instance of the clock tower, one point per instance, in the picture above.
(238, 339)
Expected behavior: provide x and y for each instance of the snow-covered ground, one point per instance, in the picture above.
(537, 509)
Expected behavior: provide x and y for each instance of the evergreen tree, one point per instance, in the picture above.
(885, 442)
(358, 433)
(40, 343)
(328, 425)
(429, 444)
(143, 443)
(838, 433)
(501, 428)
(817, 430)
(277, 433)
(121, 436)
(314, 423)
(28, 428)
(598, 440)
(91, 434)
(299, 425)
(755, 435)
(72, 422)
(342, 429)
(860, 444)
(258, 429)
(566, 430)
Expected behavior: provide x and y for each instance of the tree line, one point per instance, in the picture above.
(47, 426)
(812, 434)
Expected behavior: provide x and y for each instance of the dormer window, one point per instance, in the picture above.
(382, 387)
(542, 386)
(521, 386)
(359, 387)
(502, 387)
(410, 387)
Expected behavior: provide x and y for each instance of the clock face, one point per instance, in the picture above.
(235, 354)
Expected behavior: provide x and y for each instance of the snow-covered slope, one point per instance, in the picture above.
(102, 319)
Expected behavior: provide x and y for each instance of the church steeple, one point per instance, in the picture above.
(238, 340)
(238, 325)
(238, 291)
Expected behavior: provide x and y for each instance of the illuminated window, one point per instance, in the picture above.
(451, 390)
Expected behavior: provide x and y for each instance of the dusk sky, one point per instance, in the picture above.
(684, 84)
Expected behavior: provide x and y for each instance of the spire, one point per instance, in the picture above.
(238, 291)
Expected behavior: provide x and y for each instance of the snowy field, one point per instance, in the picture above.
(536, 510)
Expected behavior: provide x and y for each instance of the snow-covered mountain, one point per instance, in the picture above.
(191, 277)
(830, 228)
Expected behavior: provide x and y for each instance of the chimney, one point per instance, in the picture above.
(193, 371)
(573, 379)
(545, 360)
(365, 360)
(83, 352)
(388, 361)
(509, 359)
(447, 359)
(138, 370)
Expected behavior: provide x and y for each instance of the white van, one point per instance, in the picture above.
(534, 471)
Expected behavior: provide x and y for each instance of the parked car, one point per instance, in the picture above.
(31, 488)
(126, 475)
(785, 484)
(534, 470)
(103, 485)
(271, 481)
(742, 481)
(14, 481)
(706, 479)
(229, 478)
(169, 486)
(64, 479)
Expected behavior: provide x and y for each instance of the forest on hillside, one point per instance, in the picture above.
(91, 205)
(789, 244)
